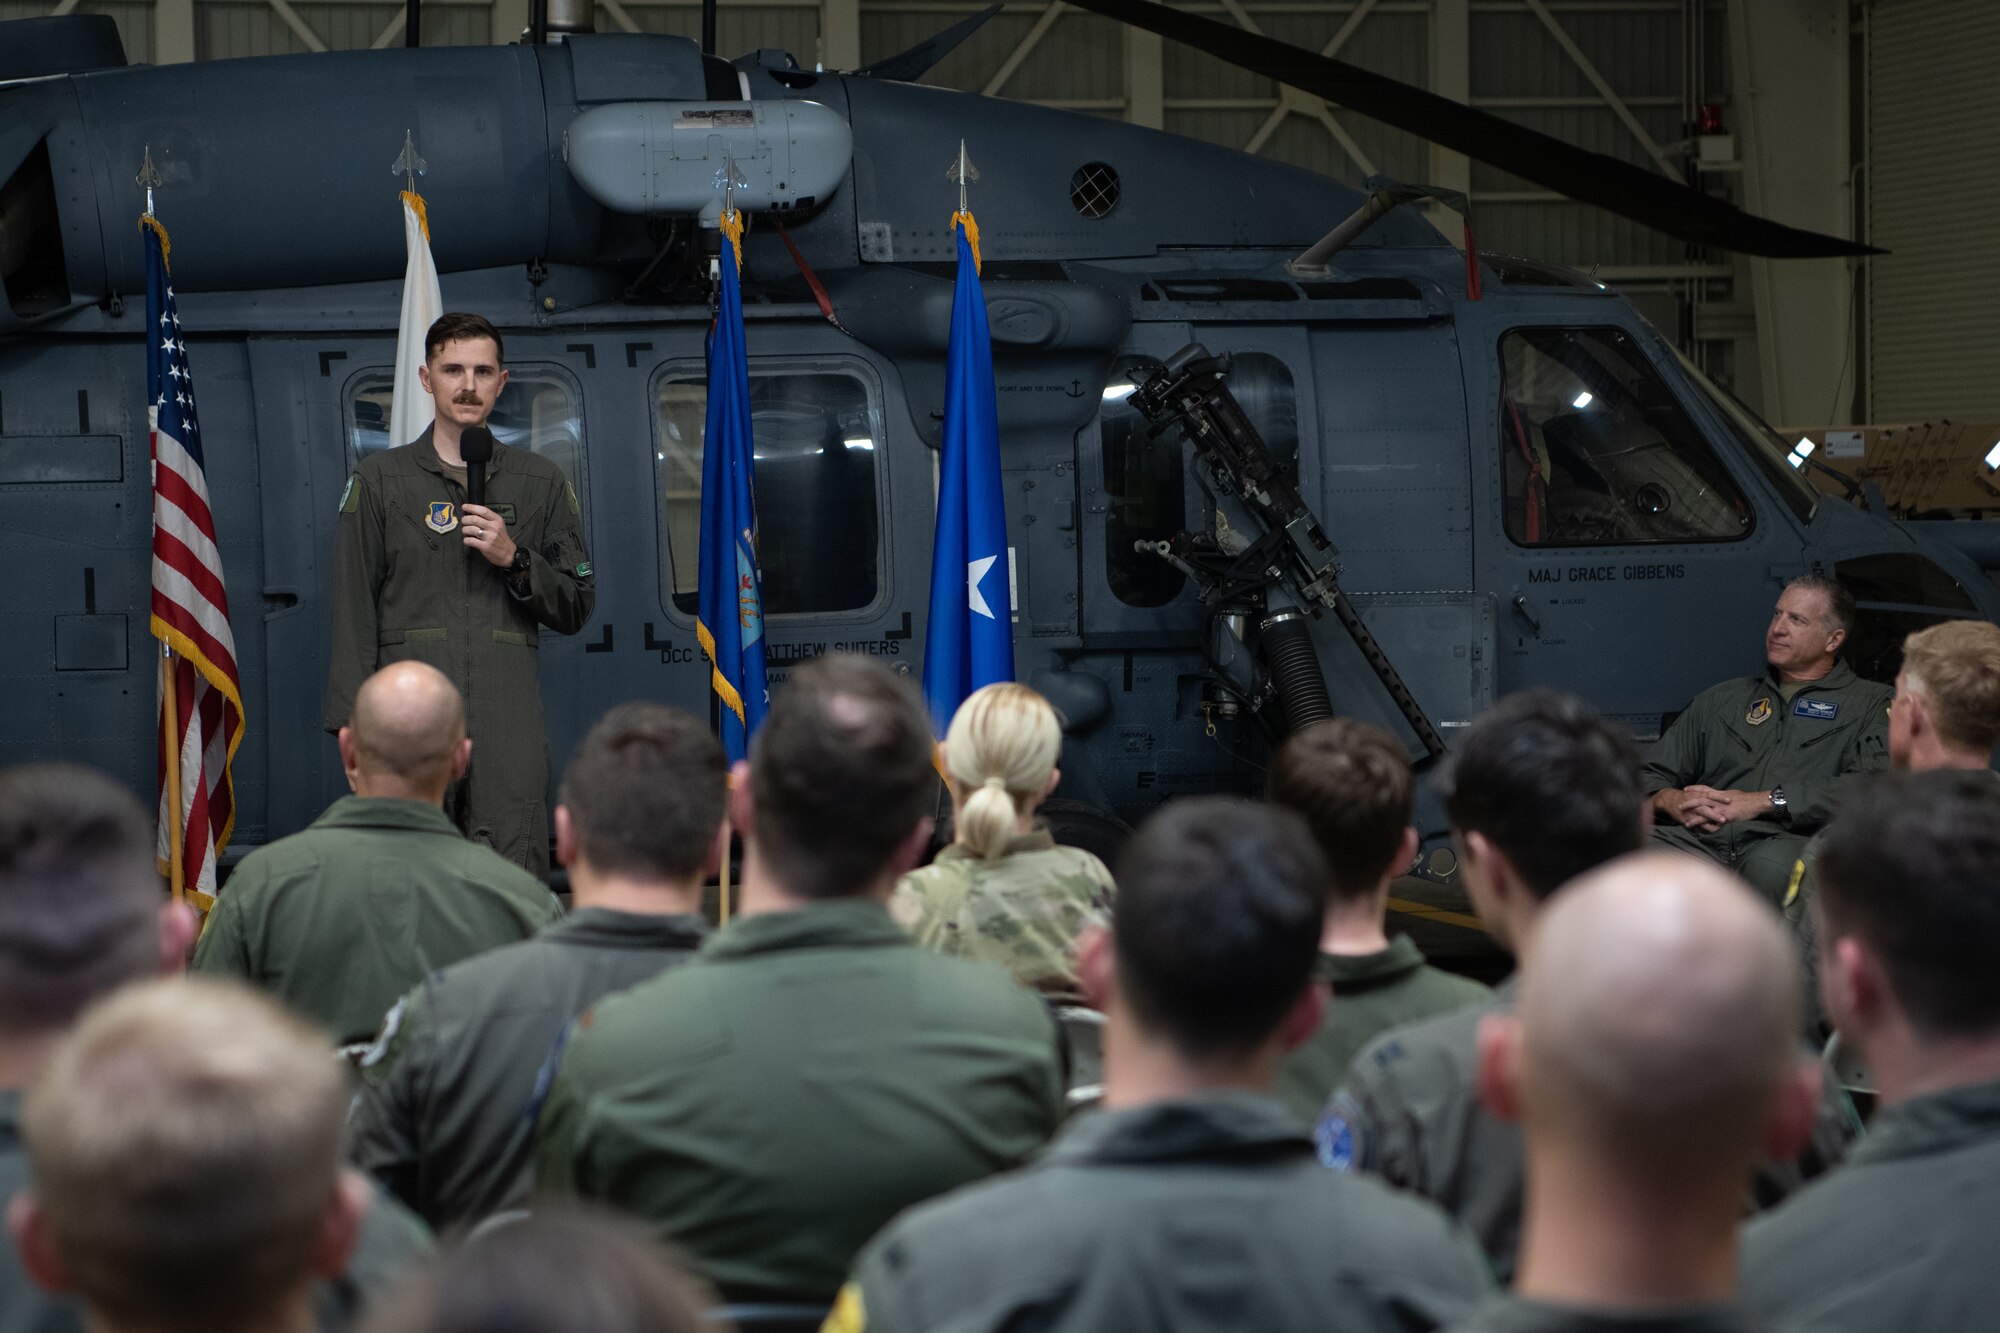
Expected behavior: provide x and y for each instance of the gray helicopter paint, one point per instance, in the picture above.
(1394, 371)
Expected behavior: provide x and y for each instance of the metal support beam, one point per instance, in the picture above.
(619, 15)
(840, 34)
(392, 31)
(173, 31)
(1596, 80)
(1145, 79)
(1027, 47)
(1291, 99)
(1451, 76)
(304, 31)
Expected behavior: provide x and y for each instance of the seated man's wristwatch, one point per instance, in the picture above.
(1778, 802)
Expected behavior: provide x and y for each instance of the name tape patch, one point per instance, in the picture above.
(1826, 710)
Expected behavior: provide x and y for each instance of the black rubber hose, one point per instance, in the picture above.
(1294, 666)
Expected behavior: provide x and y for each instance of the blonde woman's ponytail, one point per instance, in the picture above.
(1000, 750)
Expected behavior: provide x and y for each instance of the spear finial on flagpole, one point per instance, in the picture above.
(964, 173)
(408, 165)
(148, 177)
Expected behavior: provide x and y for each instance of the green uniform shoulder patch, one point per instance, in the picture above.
(583, 569)
(349, 501)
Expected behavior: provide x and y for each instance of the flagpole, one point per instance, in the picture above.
(170, 714)
(727, 834)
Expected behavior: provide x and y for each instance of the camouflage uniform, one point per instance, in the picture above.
(407, 588)
(1023, 909)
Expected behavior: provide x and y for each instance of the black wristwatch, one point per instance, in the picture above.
(1778, 802)
(520, 563)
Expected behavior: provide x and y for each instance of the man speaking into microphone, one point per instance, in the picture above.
(458, 551)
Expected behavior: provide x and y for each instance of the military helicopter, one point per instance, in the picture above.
(1484, 474)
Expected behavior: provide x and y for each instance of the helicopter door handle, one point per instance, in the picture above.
(1521, 609)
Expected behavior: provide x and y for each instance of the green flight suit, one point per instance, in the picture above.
(340, 919)
(389, 1242)
(1371, 994)
(1204, 1212)
(769, 1105)
(1797, 905)
(1022, 910)
(1410, 1113)
(1902, 1236)
(446, 1116)
(407, 588)
(1743, 735)
(1511, 1314)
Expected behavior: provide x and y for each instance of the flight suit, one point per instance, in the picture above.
(1901, 1237)
(390, 1241)
(407, 588)
(445, 1118)
(1205, 1212)
(1371, 994)
(1410, 1113)
(340, 919)
(769, 1105)
(1022, 909)
(1742, 735)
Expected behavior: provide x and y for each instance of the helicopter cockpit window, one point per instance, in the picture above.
(1146, 479)
(1596, 451)
(539, 411)
(817, 430)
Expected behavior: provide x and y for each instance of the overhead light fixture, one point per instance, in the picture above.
(1118, 392)
(1800, 453)
(860, 442)
(1583, 400)
(1993, 458)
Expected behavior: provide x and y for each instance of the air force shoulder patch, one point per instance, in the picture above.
(1335, 1138)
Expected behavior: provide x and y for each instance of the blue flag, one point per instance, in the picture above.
(970, 640)
(730, 618)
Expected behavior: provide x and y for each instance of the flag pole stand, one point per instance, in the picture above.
(170, 713)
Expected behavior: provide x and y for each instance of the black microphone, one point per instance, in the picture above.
(475, 446)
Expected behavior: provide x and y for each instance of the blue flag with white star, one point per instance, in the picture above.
(970, 639)
(729, 619)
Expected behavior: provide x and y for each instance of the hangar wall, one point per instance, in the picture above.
(1623, 77)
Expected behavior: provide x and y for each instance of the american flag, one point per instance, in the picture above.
(190, 606)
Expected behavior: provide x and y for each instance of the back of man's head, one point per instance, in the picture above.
(840, 776)
(646, 791)
(1912, 868)
(185, 1144)
(1658, 1023)
(1956, 668)
(407, 724)
(565, 1268)
(1217, 922)
(1351, 783)
(79, 896)
(1549, 783)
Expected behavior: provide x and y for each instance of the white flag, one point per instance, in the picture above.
(411, 409)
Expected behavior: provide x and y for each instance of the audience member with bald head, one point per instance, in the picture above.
(185, 1141)
(1539, 790)
(341, 919)
(1651, 1065)
(407, 737)
(1908, 936)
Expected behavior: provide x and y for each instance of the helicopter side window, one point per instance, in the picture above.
(1596, 451)
(816, 429)
(1145, 476)
(539, 411)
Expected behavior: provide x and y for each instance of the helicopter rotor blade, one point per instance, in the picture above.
(1616, 186)
(911, 65)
